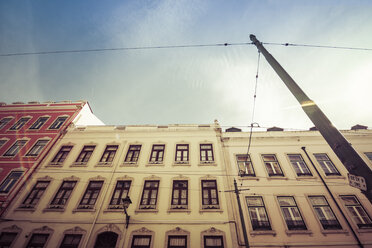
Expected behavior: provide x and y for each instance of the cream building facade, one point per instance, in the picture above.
(294, 191)
(174, 175)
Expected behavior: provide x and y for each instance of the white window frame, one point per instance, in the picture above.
(37, 147)
(327, 164)
(359, 216)
(300, 164)
(19, 123)
(142, 232)
(272, 166)
(38, 124)
(248, 160)
(59, 124)
(14, 148)
(3, 124)
(9, 183)
(325, 214)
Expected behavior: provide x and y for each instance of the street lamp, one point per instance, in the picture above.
(126, 202)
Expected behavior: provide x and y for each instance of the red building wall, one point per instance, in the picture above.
(27, 158)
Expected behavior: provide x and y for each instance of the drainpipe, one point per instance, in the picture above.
(333, 198)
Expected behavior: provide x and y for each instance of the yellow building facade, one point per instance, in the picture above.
(174, 175)
(294, 191)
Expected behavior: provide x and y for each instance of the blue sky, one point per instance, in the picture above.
(190, 85)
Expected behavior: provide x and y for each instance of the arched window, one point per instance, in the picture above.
(106, 240)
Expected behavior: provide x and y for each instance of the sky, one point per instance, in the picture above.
(190, 85)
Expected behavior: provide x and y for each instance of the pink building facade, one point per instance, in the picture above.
(27, 132)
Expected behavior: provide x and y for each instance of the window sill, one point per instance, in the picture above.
(103, 164)
(295, 232)
(129, 164)
(364, 230)
(339, 231)
(299, 178)
(155, 164)
(84, 210)
(54, 165)
(120, 210)
(79, 165)
(263, 232)
(174, 210)
(277, 178)
(335, 177)
(248, 178)
(26, 209)
(211, 163)
(146, 211)
(182, 164)
(217, 210)
(8, 156)
(54, 210)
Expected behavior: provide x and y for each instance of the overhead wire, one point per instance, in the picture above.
(318, 46)
(123, 49)
(175, 46)
(254, 105)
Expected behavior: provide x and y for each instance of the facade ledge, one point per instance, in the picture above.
(295, 232)
(342, 231)
(262, 232)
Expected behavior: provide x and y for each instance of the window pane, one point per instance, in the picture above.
(357, 211)
(149, 195)
(326, 164)
(15, 148)
(10, 180)
(39, 123)
(324, 212)
(257, 213)
(20, 123)
(299, 164)
(37, 240)
(4, 121)
(71, 241)
(291, 213)
(177, 241)
(7, 238)
(58, 122)
(141, 241)
(245, 165)
(213, 242)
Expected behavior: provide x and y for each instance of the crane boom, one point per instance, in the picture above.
(341, 147)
